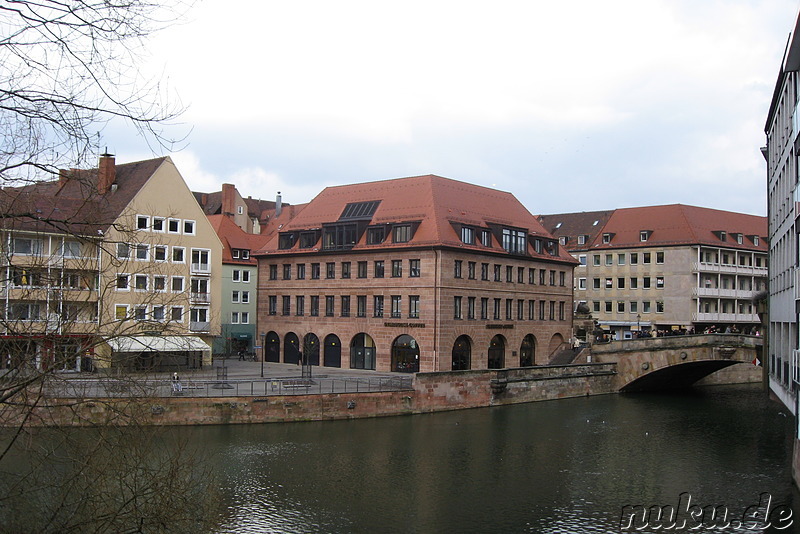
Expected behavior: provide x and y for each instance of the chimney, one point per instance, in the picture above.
(278, 205)
(204, 199)
(106, 173)
(63, 176)
(228, 199)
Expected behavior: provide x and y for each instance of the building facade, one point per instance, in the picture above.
(414, 274)
(667, 268)
(103, 269)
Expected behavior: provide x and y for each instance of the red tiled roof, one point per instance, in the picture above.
(74, 206)
(439, 205)
(234, 237)
(572, 225)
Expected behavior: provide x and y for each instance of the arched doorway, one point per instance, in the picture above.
(405, 354)
(362, 352)
(272, 347)
(332, 353)
(555, 343)
(311, 349)
(527, 351)
(497, 352)
(291, 348)
(462, 352)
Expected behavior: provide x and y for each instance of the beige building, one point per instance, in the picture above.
(668, 268)
(109, 267)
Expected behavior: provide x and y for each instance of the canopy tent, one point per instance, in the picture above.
(157, 344)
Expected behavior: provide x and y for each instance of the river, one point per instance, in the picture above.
(567, 466)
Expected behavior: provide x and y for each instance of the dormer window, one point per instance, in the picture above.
(644, 235)
(401, 233)
(467, 235)
(563, 240)
(755, 240)
(376, 235)
(722, 235)
(235, 253)
(486, 238)
(606, 238)
(739, 238)
(581, 239)
(286, 240)
(514, 241)
(308, 239)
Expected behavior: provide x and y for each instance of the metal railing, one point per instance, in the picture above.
(223, 387)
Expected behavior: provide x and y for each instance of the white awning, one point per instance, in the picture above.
(157, 344)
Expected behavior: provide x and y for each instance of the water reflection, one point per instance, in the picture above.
(565, 466)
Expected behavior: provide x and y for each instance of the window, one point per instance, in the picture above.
(582, 240)
(235, 296)
(595, 283)
(646, 282)
(176, 313)
(659, 306)
(467, 235)
(272, 304)
(634, 306)
(552, 278)
(345, 269)
(563, 240)
(140, 282)
(396, 306)
(646, 258)
(201, 260)
(287, 272)
(178, 255)
(541, 310)
(581, 283)
(496, 272)
(330, 270)
(634, 283)
(245, 254)
(240, 210)
(177, 284)
(122, 282)
(345, 306)
(301, 271)
(70, 249)
(659, 282)
(609, 283)
(401, 234)
(621, 306)
(470, 307)
(621, 282)
(236, 275)
(329, 305)
(620, 259)
(486, 238)
(199, 288)
(609, 306)
(286, 240)
(484, 271)
(140, 313)
(173, 226)
(314, 312)
(471, 270)
(646, 306)
(413, 306)
(562, 278)
(634, 258)
(273, 272)
(609, 259)
(484, 308)
(596, 260)
(159, 283)
(496, 314)
(457, 269)
(315, 271)
(552, 310)
(378, 271)
(582, 259)
(531, 275)
(520, 310)
(286, 305)
(561, 311)
(361, 305)
(121, 312)
(514, 241)
(339, 236)
(160, 253)
(158, 224)
(596, 306)
(300, 305)
(606, 238)
(142, 252)
(521, 275)
(362, 269)
(142, 222)
(377, 309)
(308, 239)
(235, 253)
(542, 274)
(397, 268)
(360, 210)
(245, 297)
(245, 276)
(457, 308)
(643, 235)
(531, 310)
(414, 268)
(659, 257)
(123, 250)
(188, 227)
(376, 235)
(235, 317)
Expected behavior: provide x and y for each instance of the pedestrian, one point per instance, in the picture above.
(241, 355)
(176, 383)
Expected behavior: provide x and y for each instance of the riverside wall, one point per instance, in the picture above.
(432, 392)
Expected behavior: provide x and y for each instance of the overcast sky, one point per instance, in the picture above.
(570, 105)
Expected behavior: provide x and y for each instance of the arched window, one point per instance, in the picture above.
(405, 354)
(462, 352)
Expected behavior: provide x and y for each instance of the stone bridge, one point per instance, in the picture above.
(674, 361)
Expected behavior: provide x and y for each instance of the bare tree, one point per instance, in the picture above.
(68, 67)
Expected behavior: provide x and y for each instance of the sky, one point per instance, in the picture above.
(571, 106)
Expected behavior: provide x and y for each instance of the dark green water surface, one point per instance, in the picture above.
(566, 466)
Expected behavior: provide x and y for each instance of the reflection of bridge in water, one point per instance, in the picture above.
(675, 361)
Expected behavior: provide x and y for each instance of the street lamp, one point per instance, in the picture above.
(263, 352)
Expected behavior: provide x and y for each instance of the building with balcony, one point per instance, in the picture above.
(414, 274)
(103, 269)
(666, 268)
(783, 211)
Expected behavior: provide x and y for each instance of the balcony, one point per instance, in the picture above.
(716, 292)
(729, 269)
(199, 326)
(726, 317)
(201, 298)
(201, 269)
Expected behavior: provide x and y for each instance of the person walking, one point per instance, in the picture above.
(176, 384)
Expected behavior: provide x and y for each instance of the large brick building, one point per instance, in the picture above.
(422, 273)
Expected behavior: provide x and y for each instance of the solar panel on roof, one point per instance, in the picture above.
(360, 210)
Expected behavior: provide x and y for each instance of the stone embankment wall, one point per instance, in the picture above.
(433, 392)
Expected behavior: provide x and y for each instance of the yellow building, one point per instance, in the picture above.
(109, 267)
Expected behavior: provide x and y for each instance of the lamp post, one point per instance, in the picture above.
(263, 352)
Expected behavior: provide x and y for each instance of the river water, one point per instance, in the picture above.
(567, 466)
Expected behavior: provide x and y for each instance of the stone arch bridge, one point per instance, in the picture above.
(674, 361)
